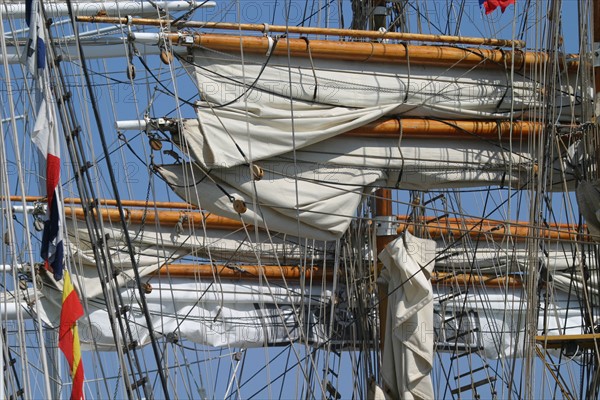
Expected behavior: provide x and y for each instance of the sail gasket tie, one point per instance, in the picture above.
(127, 215)
(407, 72)
(312, 65)
(499, 130)
(271, 45)
(520, 66)
(400, 134)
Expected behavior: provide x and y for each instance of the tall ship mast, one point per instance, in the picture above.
(366, 199)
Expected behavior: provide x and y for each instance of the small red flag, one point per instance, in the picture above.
(491, 5)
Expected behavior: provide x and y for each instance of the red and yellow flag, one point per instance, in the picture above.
(68, 336)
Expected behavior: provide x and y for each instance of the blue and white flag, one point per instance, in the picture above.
(35, 50)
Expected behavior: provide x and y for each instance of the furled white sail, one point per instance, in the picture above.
(250, 314)
(303, 208)
(219, 313)
(152, 247)
(492, 319)
(419, 164)
(489, 256)
(265, 99)
(156, 245)
(313, 192)
(17, 8)
(409, 338)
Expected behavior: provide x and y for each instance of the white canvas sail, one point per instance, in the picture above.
(227, 314)
(313, 192)
(254, 99)
(408, 356)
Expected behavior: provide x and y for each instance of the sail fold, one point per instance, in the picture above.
(152, 247)
(227, 313)
(305, 208)
(263, 99)
(313, 192)
(409, 336)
